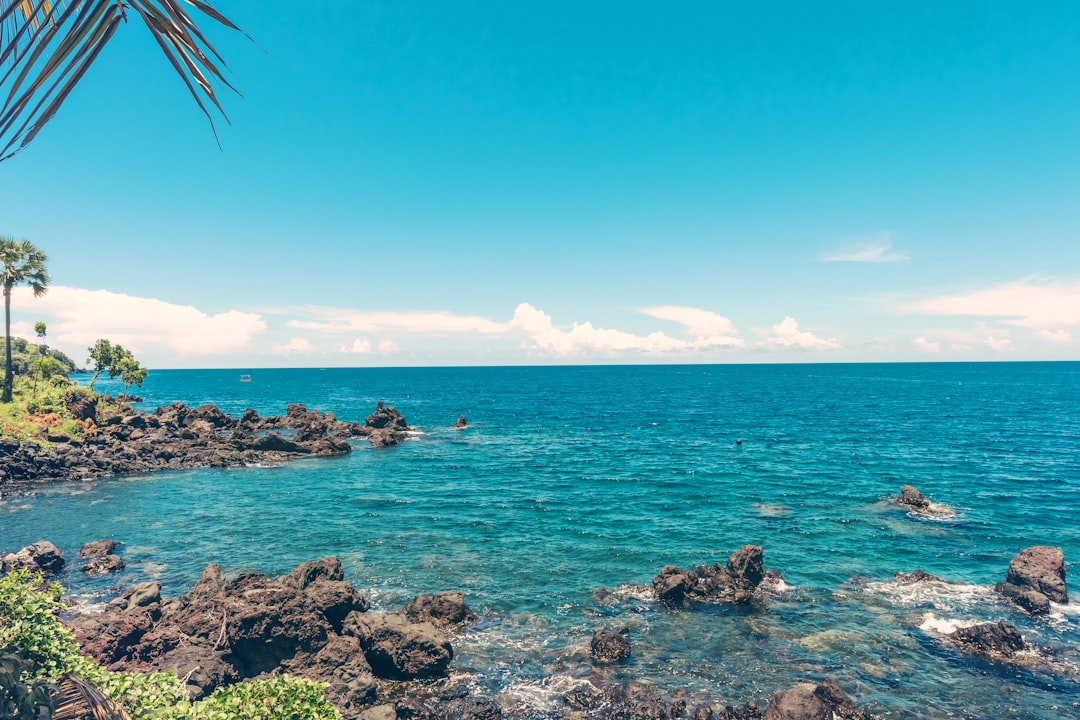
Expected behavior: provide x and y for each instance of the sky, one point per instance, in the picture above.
(503, 183)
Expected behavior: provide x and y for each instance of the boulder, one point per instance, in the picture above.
(611, 644)
(98, 548)
(919, 576)
(200, 668)
(341, 664)
(461, 422)
(386, 416)
(734, 582)
(103, 565)
(397, 649)
(998, 640)
(809, 702)
(41, 556)
(1036, 577)
(446, 609)
(912, 498)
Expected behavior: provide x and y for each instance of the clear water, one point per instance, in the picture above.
(573, 478)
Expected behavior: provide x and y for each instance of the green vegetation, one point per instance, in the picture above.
(24, 354)
(53, 44)
(20, 264)
(116, 362)
(35, 645)
(40, 407)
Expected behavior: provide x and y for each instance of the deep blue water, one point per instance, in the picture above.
(573, 478)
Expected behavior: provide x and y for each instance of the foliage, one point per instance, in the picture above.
(43, 647)
(20, 264)
(117, 362)
(27, 415)
(47, 47)
(47, 367)
(20, 696)
(24, 354)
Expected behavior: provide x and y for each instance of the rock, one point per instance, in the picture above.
(201, 669)
(749, 711)
(341, 664)
(808, 702)
(82, 406)
(611, 644)
(41, 556)
(634, 701)
(998, 640)
(379, 712)
(98, 548)
(397, 649)
(912, 498)
(734, 582)
(919, 576)
(446, 609)
(211, 582)
(1036, 577)
(461, 422)
(103, 565)
(385, 416)
(471, 708)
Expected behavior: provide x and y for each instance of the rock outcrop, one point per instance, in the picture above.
(177, 436)
(41, 556)
(310, 623)
(997, 641)
(734, 582)
(461, 422)
(611, 644)
(915, 501)
(807, 701)
(101, 558)
(444, 610)
(1036, 577)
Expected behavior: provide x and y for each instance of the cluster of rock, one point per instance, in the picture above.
(635, 701)
(101, 560)
(734, 582)
(310, 623)
(41, 556)
(1036, 578)
(177, 436)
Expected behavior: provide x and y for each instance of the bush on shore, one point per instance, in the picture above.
(37, 650)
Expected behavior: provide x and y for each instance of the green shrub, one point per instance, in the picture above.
(35, 644)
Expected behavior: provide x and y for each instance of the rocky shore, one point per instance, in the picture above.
(176, 436)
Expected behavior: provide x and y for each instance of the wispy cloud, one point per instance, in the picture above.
(1030, 303)
(787, 334)
(876, 249)
(295, 346)
(927, 346)
(341, 321)
(702, 323)
(79, 317)
(539, 328)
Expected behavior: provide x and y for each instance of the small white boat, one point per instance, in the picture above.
(245, 378)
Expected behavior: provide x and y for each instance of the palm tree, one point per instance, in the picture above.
(46, 48)
(20, 263)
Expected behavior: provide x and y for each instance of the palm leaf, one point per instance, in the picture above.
(47, 47)
(78, 700)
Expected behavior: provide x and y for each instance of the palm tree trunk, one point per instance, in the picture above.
(8, 375)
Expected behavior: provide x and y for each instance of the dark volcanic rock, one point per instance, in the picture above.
(998, 640)
(341, 664)
(912, 498)
(41, 556)
(201, 668)
(610, 644)
(1036, 578)
(734, 582)
(397, 649)
(103, 565)
(807, 702)
(98, 548)
(919, 576)
(446, 609)
(461, 422)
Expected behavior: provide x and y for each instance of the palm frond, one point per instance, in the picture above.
(46, 48)
(79, 700)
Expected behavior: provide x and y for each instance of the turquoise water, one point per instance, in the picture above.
(569, 479)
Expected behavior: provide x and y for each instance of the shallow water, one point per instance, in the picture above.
(569, 479)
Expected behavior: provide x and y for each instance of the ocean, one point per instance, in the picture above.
(570, 479)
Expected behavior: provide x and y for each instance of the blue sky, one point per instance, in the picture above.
(510, 183)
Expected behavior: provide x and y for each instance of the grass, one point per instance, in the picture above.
(40, 409)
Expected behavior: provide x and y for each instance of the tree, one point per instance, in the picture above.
(20, 264)
(47, 47)
(40, 331)
(116, 361)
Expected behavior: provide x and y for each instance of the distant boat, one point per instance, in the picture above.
(245, 378)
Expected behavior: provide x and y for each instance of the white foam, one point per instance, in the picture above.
(542, 695)
(942, 596)
(944, 626)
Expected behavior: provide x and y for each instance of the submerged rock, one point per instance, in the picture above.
(734, 582)
(1036, 577)
(610, 644)
(919, 576)
(806, 701)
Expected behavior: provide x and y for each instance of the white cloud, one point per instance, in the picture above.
(388, 346)
(1061, 336)
(295, 346)
(877, 249)
(787, 334)
(360, 346)
(583, 337)
(1000, 345)
(80, 317)
(927, 346)
(1026, 303)
(336, 321)
(701, 323)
